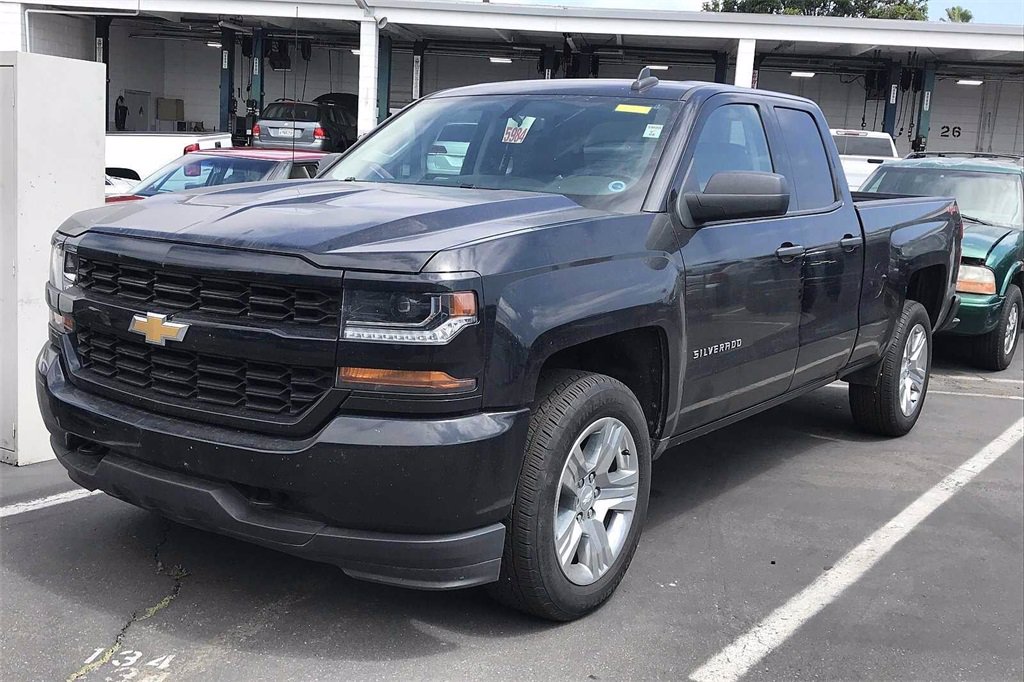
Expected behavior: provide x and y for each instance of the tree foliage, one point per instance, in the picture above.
(958, 15)
(879, 9)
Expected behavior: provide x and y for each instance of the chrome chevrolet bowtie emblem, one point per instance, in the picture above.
(157, 329)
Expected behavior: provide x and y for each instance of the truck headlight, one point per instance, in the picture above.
(431, 319)
(63, 267)
(975, 279)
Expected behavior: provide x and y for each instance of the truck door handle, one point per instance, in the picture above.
(788, 252)
(849, 243)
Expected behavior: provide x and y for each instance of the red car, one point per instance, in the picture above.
(213, 167)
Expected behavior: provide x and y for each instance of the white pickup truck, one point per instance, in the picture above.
(861, 151)
(134, 156)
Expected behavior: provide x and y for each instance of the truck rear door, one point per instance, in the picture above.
(833, 262)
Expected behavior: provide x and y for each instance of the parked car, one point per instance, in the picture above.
(224, 167)
(440, 381)
(861, 152)
(449, 149)
(133, 156)
(314, 126)
(989, 189)
(117, 186)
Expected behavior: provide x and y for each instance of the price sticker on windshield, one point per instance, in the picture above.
(516, 131)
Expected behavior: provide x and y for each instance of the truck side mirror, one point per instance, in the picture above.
(734, 195)
(325, 162)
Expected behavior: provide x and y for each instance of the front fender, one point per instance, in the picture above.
(548, 311)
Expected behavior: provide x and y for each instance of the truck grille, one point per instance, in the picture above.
(184, 377)
(219, 296)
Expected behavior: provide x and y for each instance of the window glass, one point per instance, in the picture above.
(992, 197)
(862, 145)
(732, 139)
(599, 151)
(810, 175)
(291, 111)
(192, 171)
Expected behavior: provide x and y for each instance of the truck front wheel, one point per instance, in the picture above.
(891, 407)
(581, 499)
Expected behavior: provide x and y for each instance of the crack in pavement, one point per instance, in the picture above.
(178, 574)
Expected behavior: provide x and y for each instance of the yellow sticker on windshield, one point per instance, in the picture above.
(633, 109)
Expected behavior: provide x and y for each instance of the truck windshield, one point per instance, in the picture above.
(995, 198)
(599, 151)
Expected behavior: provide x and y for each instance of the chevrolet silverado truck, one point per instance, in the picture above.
(441, 379)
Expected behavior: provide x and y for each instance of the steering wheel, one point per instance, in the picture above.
(380, 171)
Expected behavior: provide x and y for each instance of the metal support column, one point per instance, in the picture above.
(383, 78)
(418, 50)
(256, 93)
(924, 110)
(103, 55)
(227, 78)
(892, 98)
(369, 35)
(721, 66)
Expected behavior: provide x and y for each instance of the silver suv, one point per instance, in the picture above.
(315, 126)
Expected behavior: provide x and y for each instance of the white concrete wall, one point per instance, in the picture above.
(36, 196)
(63, 36)
(10, 27)
(988, 117)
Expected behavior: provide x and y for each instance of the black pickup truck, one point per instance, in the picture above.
(452, 363)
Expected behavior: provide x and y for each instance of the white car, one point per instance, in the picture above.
(114, 186)
(861, 152)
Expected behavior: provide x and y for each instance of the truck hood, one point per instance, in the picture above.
(367, 226)
(980, 239)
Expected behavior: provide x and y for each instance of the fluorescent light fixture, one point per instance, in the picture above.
(801, 74)
(213, 43)
(355, 51)
(501, 60)
(969, 81)
(657, 67)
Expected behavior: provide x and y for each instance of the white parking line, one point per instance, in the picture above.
(732, 662)
(987, 380)
(43, 502)
(977, 395)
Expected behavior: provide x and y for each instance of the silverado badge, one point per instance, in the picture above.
(157, 329)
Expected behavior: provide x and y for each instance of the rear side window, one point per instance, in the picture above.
(810, 177)
(732, 139)
(862, 145)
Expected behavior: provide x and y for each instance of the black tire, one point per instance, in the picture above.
(531, 577)
(989, 350)
(876, 409)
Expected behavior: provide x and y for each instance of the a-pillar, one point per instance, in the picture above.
(369, 46)
(745, 63)
(227, 78)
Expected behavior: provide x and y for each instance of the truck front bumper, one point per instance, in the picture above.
(416, 503)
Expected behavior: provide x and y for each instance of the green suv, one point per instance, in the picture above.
(989, 189)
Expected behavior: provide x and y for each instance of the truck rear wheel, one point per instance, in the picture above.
(994, 350)
(892, 406)
(581, 499)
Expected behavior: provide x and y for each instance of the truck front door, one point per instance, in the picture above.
(742, 285)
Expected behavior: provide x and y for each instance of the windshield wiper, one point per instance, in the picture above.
(972, 219)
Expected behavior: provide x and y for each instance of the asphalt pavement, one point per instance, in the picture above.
(740, 521)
